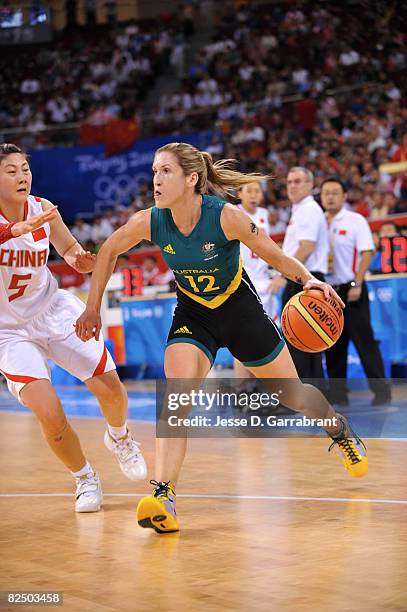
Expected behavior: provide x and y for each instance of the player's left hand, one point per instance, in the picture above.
(84, 261)
(88, 325)
(326, 288)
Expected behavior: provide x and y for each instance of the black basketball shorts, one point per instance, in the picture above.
(240, 324)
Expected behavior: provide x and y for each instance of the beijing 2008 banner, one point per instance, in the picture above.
(82, 179)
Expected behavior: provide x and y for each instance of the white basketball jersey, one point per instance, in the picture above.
(26, 284)
(257, 268)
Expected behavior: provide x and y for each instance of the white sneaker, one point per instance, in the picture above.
(128, 454)
(88, 493)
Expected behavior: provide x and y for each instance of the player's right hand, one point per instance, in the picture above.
(33, 223)
(88, 325)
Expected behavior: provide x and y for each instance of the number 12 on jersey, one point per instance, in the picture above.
(204, 277)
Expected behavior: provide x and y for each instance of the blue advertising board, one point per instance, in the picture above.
(146, 325)
(82, 179)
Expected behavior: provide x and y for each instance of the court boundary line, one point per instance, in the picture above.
(227, 497)
(26, 412)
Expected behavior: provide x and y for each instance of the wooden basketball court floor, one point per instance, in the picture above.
(266, 524)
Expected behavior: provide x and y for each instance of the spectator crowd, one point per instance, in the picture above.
(306, 85)
(90, 74)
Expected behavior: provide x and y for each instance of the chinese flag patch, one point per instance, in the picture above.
(342, 232)
(39, 234)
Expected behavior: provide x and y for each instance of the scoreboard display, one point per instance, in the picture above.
(132, 282)
(393, 255)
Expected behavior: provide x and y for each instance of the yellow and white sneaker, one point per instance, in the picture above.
(353, 451)
(157, 511)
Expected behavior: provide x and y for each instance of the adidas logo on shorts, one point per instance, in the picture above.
(183, 330)
(169, 249)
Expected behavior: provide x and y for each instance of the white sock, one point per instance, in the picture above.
(117, 432)
(85, 470)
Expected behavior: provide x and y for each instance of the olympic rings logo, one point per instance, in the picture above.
(119, 188)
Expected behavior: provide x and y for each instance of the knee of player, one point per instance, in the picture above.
(109, 389)
(41, 398)
(52, 424)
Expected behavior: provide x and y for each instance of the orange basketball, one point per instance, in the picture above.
(311, 322)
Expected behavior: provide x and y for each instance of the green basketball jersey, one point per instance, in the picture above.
(206, 265)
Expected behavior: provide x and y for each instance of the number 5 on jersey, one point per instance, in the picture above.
(15, 284)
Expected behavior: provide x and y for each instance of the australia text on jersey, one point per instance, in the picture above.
(208, 271)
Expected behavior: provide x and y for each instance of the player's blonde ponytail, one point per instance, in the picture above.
(217, 176)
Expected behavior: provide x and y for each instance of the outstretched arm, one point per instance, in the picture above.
(134, 231)
(13, 230)
(238, 226)
(66, 244)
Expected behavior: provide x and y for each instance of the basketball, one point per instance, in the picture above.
(311, 322)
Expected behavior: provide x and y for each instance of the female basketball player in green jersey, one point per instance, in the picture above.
(199, 237)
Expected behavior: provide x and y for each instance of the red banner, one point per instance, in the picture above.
(120, 135)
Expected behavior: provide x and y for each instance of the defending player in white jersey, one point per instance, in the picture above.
(251, 196)
(37, 323)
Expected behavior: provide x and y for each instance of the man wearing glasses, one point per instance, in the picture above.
(306, 239)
